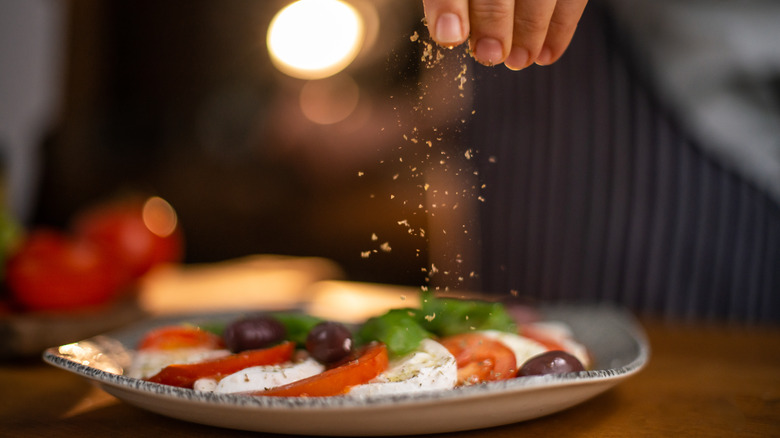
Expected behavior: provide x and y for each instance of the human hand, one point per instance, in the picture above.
(514, 32)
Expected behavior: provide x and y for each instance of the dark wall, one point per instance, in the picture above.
(179, 99)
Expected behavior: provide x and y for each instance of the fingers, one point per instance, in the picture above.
(515, 32)
(447, 20)
(531, 20)
(491, 29)
(489, 21)
(561, 30)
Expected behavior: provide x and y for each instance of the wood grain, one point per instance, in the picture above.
(702, 380)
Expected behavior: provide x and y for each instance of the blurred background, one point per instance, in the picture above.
(181, 99)
(643, 168)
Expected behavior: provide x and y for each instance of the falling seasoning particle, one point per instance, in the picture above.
(385, 247)
(374, 237)
(365, 254)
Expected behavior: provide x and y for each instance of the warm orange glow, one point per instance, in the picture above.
(314, 39)
(159, 216)
(331, 100)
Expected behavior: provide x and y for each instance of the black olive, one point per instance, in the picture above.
(253, 332)
(551, 362)
(329, 342)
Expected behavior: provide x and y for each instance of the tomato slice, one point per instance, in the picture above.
(338, 380)
(185, 375)
(535, 334)
(180, 336)
(480, 358)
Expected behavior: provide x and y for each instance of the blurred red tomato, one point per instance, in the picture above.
(138, 234)
(51, 271)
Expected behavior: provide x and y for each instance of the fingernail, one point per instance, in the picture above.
(544, 56)
(517, 59)
(448, 29)
(488, 51)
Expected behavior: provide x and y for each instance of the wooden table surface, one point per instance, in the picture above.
(701, 380)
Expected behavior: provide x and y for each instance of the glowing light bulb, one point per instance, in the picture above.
(314, 39)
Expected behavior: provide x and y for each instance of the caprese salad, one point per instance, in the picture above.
(443, 344)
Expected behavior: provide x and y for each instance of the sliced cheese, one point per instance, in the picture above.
(431, 367)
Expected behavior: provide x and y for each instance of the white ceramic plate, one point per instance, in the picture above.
(615, 340)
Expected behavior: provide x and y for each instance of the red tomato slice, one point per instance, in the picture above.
(180, 336)
(185, 375)
(338, 380)
(533, 333)
(480, 358)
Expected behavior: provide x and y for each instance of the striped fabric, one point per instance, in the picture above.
(594, 193)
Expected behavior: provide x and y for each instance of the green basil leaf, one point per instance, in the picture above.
(451, 316)
(298, 325)
(398, 329)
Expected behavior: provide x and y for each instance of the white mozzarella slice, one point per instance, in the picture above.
(267, 376)
(205, 384)
(431, 367)
(523, 348)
